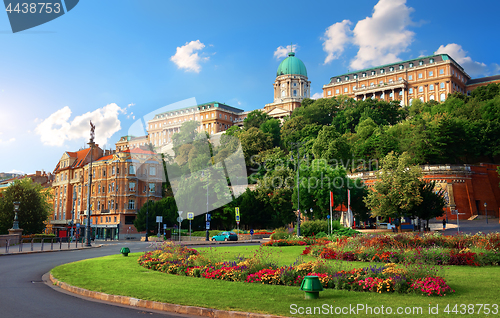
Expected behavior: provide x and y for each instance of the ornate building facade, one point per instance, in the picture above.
(426, 78)
(121, 183)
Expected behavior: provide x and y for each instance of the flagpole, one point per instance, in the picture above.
(331, 214)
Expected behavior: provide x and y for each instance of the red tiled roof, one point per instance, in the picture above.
(79, 161)
(105, 158)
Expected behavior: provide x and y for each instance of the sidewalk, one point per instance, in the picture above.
(28, 248)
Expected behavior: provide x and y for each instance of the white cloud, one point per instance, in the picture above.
(336, 37)
(7, 141)
(283, 51)
(496, 68)
(454, 50)
(317, 95)
(57, 128)
(384, 35)
(186, 58)
(16, 171)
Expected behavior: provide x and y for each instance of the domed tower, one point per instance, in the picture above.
(290, 87)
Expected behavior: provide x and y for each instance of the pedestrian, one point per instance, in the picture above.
(444, 224)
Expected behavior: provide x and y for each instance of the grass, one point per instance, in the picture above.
(123, 276)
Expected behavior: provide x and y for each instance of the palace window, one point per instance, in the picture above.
(329, 93)
(152, 171)
(420, 89)
(431, 98)
(441, 71)
(411, 100)
(401, 93)
(151, 187)
(337, 91)
(338, 79)
(391, 95)
(382, 71)
(131, 186)
(373, 72)
(294, 92)
(431, 60)
(410, 77)
(442, 97)
(390, 80)
(422, 99)
(391, 68)
(410, 91)
(431, 87)
(400, 78)
(411, 64)
(421, 63)
(355, 76)
(381, 82)
(419, 75)
(431, 73)
(441, 85)
(401, 67)
(364, 74)
(345, 90)
(131, 169)
(346, 78)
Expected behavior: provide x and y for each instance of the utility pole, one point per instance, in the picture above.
(89, 185)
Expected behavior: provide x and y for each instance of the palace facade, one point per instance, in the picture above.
(426, 78)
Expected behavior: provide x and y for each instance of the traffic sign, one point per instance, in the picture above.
(190, 215)
(208, 226)
(159, 219)
(164, 226)
(251, 232)
(208, 217)
(77, 225)
(327, 216)
(237, 210)
(238, 218)
(180, 213)
(180, 219)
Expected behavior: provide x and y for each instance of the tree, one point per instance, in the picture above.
(165, 207)
(333, 147)
(255, 118)
(272, 127)
(432, 204)
(33, 210)
(254, 141)
(397, 190)
(186, 135)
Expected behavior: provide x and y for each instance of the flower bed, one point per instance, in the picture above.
(433, 249)
(174, 259)
(297, 242)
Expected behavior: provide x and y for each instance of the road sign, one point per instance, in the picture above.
(251, 232)
(190, 215)
(180, 213)
(238, 222)
(78, 225)
(164, 226)
(237, 210)
(238, 218)
(159, 219)
(327, 216)
(180, 219)
(208, 226)
(209, 217)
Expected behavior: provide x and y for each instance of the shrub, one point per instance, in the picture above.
(280, 233)
(309, 228)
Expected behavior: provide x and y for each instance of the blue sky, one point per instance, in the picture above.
(115, 61)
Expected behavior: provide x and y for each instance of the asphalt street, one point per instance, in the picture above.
(24, 295)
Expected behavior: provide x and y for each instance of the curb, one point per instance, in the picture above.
(50, 251)
(155, 305)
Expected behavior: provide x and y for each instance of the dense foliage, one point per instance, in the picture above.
(33, 210)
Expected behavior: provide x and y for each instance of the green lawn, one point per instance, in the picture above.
(123, 276)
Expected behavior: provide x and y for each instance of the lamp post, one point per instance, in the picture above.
(207, 235)
(15, 226)
(73, 212)
(298, 144)
(486, 212)
(91, 144)
(147, 206)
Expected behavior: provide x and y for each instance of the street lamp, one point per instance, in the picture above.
(486, 212)
(207, 236)
(15, 226)
(298, 144)
(91, 145)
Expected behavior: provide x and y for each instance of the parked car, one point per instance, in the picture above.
(225, 236)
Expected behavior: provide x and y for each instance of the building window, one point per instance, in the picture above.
(131, 169)
(98, 205)
(363, 85)
(431, 87)
(411, 64)
(355, 76)
(345, 90)
(410, 77)
(131, 186)
(391, 95)
(152, 171)
(382, 71)
(400, 93)
(337, 91)
(373, 72)
(441, 71)
(410, 91)
(329, 93)
(113, 170)
(441, 85)
(338, 79)
(391, 69)
(411, 101)
(381, 82)
(400, 78)
(390, 80)
(151, 187)
(442, 97)
(431, 60)
(419, 75)
(431, 73)
(421, 63)
(422, 99)
(420, 89)
(364, 74)
(346, 78)
(431, 98)
(294, 84)
(294, 92)
(131, 204)
(99, 188)
(401, 67)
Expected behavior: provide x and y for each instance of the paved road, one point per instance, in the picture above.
(24, 295)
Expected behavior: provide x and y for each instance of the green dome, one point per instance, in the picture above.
(291, 65)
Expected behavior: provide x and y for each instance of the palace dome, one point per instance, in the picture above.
(291, 65)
